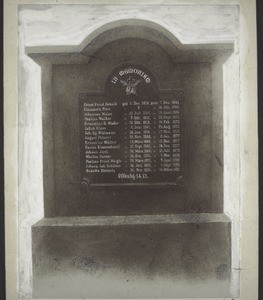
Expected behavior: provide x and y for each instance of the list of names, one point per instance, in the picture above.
(130, 141)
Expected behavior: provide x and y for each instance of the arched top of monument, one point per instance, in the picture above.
(128, 28)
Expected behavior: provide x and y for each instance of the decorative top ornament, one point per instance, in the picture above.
(131, 85)
(131, 80)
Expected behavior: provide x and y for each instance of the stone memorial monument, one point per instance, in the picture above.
(133, 167)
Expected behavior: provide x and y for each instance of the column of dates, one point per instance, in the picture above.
(176, 139)
(169, 136)
(148, 159)
(139, 138)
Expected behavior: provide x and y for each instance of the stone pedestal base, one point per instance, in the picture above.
(156, 256)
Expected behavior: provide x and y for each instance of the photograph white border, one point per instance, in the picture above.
(248, 138)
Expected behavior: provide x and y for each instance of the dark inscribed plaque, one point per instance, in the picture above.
(132, 133)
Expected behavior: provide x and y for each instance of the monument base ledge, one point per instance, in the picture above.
(156, 256)
(134, 220)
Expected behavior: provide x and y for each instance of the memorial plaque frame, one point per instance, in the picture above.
(144, 138)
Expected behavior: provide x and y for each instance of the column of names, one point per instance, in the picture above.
(100, 137)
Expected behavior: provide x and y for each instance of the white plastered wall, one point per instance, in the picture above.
(70, 25)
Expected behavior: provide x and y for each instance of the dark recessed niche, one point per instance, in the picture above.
(158, 106)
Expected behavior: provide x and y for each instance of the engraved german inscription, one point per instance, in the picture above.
(133, 135)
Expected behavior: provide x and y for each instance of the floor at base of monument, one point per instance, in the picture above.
(69, 284)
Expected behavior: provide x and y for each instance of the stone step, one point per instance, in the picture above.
(149, 256)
